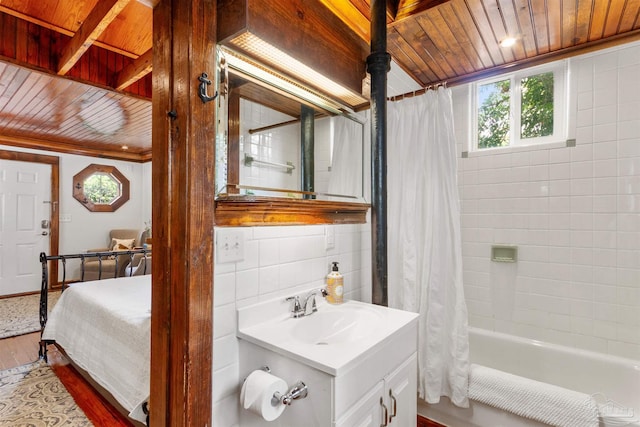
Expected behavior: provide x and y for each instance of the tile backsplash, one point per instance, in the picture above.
(278, 262)
(573, 212)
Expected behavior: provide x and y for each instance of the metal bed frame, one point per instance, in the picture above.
(44, 289)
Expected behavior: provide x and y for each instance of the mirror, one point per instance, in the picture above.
(277, 145)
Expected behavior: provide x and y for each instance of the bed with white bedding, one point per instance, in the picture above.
(104, 328)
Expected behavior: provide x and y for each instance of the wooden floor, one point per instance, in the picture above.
(23, 349)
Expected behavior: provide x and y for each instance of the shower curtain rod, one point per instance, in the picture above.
(418, 92)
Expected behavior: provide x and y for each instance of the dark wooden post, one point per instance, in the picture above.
(307, 139)
(184, 40)
(378, 65)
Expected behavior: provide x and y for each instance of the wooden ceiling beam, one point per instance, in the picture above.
(135, 70)
(61, 30)
(98, 20)
(350, 15)
(392, 9)
(411, 8)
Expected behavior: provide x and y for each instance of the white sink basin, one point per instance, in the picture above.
(331, 339)
(337, 324)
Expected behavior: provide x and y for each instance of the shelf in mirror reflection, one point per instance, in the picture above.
(248, 191)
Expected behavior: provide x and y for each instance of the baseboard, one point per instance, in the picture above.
(425, 422)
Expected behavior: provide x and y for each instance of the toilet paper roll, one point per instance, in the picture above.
(257, 394)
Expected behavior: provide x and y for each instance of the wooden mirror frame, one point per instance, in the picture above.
(233, 209)
(78, 188)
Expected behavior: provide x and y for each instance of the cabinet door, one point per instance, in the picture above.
(367, 412)
(400, 394)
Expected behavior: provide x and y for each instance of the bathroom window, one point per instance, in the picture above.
(521, 108)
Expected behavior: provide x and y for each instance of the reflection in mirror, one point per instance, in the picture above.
(278, 146)
(272, 153)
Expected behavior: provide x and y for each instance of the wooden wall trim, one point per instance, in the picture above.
(184, 37)
(253, 211)
(38, 144)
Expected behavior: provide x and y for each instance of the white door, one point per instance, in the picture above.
(25, 189)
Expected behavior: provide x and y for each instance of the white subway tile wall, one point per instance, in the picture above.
(278, 262)
(573, 212)
(280, 145)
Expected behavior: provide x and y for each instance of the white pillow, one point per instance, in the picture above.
(122, 244)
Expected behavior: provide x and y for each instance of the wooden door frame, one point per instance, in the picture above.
(54, 217)
(184, 132)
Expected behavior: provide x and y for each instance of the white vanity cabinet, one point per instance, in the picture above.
(391, 402)
(356, 360)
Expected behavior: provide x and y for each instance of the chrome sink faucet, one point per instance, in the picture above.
(306, 308)
(296, 307)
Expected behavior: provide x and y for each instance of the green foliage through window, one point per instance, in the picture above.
(519, 109)
(493, 114)
(101, 188)
(537, 106)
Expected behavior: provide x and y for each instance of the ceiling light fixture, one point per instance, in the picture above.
(104, 116)
(508, 42)
(269, 54)
(288, 87)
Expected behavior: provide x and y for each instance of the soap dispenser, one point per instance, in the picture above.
(335, 285)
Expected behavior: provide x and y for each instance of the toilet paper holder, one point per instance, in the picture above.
(298, 391)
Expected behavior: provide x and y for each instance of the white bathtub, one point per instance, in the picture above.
(614, 381)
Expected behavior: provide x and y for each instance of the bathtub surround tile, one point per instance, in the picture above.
(628, 334)
(577, 279)
(620, 348)
(604, 186)
(581, 325)
(605, 168)
(590, 342)
(560, 322)
(605, 150)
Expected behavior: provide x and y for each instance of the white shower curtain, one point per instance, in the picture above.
(346, 168)
(424, 242)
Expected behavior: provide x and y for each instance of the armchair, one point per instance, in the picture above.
(120, 239)
(140, 265)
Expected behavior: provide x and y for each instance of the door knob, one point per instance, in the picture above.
(45, 233)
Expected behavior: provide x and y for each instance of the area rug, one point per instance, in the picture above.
(32, 395)
(21, 315)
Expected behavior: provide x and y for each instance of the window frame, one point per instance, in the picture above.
(78, 188)
(560, 106)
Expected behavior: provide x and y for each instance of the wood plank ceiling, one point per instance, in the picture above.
(75, 74)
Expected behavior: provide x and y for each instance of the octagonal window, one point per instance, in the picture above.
(101, 188)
